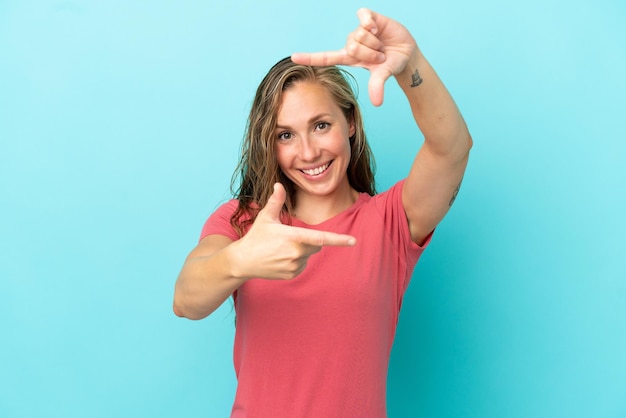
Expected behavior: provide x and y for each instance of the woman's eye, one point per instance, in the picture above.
(322, 126)
(284, 136)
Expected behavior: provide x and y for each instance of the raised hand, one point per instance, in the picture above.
(271, 250)
(379, 44)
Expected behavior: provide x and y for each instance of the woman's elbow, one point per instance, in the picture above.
(180, 310)
(183, 311)
(177, 310)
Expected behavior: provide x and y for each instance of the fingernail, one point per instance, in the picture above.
(351, 241)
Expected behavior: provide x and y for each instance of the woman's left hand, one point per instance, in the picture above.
(379, 44)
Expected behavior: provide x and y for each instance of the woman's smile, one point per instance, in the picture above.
(314, 172)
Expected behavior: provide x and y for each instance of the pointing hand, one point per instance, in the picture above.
(272, 250)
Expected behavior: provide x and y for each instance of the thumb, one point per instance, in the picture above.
(376, 87)
(274, 205)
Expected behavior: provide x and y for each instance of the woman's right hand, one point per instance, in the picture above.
(271, 250)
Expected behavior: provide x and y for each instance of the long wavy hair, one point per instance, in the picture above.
(257, 171)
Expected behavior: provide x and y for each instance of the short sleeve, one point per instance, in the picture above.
(219, 222)
(389, 204)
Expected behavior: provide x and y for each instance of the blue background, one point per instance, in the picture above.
(120, 125)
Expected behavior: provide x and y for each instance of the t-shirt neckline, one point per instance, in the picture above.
(363, 197)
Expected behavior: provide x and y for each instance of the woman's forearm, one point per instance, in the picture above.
(433, 108)
(204, 283)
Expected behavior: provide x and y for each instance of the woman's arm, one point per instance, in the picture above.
(206, 279)
(437, 171)
(386, 48)
(270, 250)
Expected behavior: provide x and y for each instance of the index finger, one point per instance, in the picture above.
(323, 238)
(325, 58)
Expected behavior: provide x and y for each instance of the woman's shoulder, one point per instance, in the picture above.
(228, 206)
(219, 222)
(393, 193)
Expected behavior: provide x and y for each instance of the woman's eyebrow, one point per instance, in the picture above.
(310, 121)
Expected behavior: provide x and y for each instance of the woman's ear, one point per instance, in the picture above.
(351, 127)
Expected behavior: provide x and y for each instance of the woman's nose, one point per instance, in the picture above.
(309, 151)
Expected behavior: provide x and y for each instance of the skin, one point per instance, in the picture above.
(313, 134)
(218, 266)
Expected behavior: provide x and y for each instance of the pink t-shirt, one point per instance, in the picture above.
(319, 345)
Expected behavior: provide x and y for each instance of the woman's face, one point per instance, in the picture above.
(312, 141)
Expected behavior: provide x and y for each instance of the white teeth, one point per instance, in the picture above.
(316, 171)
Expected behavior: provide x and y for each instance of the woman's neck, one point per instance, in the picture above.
(314, 209)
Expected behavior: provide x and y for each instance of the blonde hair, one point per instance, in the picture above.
(257, 171)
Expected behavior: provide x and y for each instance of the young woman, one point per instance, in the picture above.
(316, 261)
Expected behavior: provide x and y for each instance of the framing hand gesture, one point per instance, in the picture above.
(379, 44)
